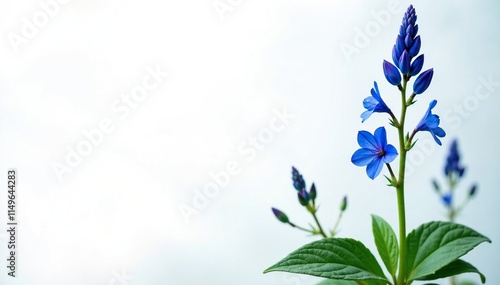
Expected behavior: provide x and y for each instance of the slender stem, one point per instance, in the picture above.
(394, 119)
(317, 223)
(393, 177)
(400, 188)
(453, 280)
(411, 138)
(336, 223)
(300, 228)
(452, 212)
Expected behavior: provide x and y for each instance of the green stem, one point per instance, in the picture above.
(336, 224)
(452, 213)
(300, 228)
(317, 223)
(400, 188)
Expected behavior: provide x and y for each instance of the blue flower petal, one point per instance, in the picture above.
(363, 156)
(365, 115)
(370, 103)
(366, 140)
(381, 137)
(390, 153)
(432, 121)
(439, 132)
(373, 169)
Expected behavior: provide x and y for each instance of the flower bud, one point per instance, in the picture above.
(402, 31)
(313, 192)
(395, 56)
(416, 65)
(472, 191)
(423, 81)
(404, 62)
(282, 217)
(400, 44)
(409, 31)
(436, 186)
(302, 200)
(391, 73)
(343, 204)
(415, 28)
(461, 171)
(415, 47)
(408, 40)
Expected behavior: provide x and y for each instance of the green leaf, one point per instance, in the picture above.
(455, 268)
(333, 258)
(337, 282)
(386, 242)
(434, 245)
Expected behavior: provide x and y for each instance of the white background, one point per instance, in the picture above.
(113, 217)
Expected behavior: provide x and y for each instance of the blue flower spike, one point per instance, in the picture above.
(374, 104)
(408, 42)
(374, 151)
(430, 123)
(391, 73)
(423, 81)
(453, 161)
(298, 180)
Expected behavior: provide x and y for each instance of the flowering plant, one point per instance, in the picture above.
(454, 172)
(429, 252)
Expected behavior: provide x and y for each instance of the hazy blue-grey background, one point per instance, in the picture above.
(114, 218)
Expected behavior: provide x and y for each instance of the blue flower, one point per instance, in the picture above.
(374, 151)
(374, 104)
(453, 161)
(298, 181)
(430, 123)
(447, 199)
